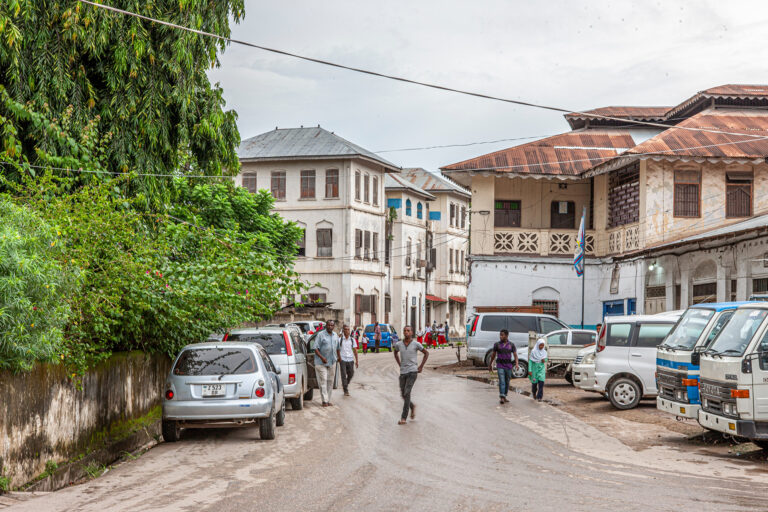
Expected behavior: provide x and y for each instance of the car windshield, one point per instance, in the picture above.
(304, 328)
(737, 333)
(273, 343)
(688, 329)
(215, 361)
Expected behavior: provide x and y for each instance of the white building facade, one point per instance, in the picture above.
(334, 190)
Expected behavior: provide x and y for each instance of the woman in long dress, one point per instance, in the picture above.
(537, 369)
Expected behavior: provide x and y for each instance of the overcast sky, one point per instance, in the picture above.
(572, 54)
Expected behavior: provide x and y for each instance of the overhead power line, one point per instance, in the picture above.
(403, 79)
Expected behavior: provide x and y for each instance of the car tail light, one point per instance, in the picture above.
(601, 338)
(474, 325)
(739, 393)
(169, 394)
(690, 382)
(291, 378)
(259, 392)
(288, 349)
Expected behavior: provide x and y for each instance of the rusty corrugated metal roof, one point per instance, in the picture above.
(740, 90)
(567, 154)
(640, 113)
(676, 142)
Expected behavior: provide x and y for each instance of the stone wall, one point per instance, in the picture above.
(45, 417)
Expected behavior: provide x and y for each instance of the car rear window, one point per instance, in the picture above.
(618, 335)
(215, 361)
(493, 323)
(651, 335)
(273, 343)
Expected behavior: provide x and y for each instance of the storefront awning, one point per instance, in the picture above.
(456, 298)
(435, 298)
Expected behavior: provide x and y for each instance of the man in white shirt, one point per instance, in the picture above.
(347, 358)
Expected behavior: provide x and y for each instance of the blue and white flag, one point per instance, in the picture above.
(578, 257)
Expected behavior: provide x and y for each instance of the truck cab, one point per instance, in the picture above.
(677, 359)
(734, 376)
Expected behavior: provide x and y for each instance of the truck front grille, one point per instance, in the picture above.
(714, 394)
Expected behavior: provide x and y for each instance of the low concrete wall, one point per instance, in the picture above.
(44, 417)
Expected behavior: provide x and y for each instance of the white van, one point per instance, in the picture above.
(625, 356)
(484, 332)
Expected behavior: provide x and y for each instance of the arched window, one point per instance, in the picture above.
(408, 207)
(419, 212)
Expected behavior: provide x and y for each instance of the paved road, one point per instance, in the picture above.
(463, 452)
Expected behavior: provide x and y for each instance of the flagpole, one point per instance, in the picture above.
(584, 267)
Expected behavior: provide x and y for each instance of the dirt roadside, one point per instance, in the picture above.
(639, 428)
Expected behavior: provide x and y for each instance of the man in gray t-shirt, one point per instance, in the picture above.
(407, 357)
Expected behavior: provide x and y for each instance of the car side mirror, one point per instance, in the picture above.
(278, 370)
(696, 355)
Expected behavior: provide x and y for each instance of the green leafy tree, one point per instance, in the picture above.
(146, 83)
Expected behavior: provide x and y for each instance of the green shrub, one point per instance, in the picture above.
(32, 284)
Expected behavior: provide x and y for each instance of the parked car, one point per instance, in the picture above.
(625, 356)
(308, 327)
(388, 336)
(288, 351)
(563, 346)
(223, 384)
(485, 332)
(291, 327)
(583, 369)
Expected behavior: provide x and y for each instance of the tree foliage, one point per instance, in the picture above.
(146, 83)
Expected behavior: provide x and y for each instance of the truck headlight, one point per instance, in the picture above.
(729, 409)
(681, 395)
(704, 403)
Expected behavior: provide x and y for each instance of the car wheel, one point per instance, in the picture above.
(297, 403)
(569, 377)
(171, 431)
(309, 394)
(625, 393)
(280, 418)
(268, 427)
(521, 370)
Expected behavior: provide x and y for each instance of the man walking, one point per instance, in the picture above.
(407, 357)
(503, 351)
(348, 358)
(376, 337)
(326, 347)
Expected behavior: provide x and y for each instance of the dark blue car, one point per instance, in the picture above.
(388, 336)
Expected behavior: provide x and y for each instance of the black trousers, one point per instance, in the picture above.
(537, 390)
(347, 372)
(407, 381)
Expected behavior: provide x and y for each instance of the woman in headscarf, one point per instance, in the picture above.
(537, 369)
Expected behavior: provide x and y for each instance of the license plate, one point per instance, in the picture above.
(213, 390)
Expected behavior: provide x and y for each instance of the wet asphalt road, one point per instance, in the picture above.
(463, 452)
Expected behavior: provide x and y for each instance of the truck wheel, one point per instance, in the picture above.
(171, 431)
(569, 377)
(268, 426)
(625, 393)
(280, 417)
(309, 394)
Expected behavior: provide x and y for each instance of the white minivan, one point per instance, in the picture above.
(625, 356)
(484, 332)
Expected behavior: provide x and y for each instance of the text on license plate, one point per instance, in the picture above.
(213, 389)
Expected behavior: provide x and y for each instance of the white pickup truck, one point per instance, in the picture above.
(562, 347)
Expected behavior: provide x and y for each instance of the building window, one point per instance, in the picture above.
(408, 207)
(760, 285)
(324, 243)
(366, 188)
(463, 217)
(302, 250)
(418, 252)
(249, 182)
(506, 214)
(367, 245)
(357, 185)
(624, 196)
(358, 244)
(314, 298)
(375, 187)
(307, 184)
(408, 254)
(331, 183)
(738, 194)
(548, 307)
(419, 211)
(462, 263)
(704, 293)
(452, 210)
(687, 193)
(387, 307)
(278, 184)
(450, 259)
(387, 248)
(375, 247)
(562, 215)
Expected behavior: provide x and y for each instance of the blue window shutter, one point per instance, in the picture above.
(394, 203)
(434, 215)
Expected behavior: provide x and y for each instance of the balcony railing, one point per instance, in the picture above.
(543, 242)
(624, 239)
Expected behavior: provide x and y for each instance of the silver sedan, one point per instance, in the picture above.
(223, 385)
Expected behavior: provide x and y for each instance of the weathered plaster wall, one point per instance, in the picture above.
(43, 416)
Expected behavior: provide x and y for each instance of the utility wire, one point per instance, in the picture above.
(401, 79)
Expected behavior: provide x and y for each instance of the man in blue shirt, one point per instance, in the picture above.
(326, 345)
